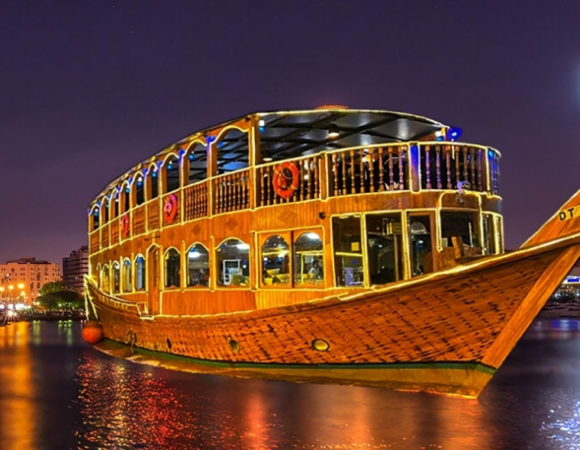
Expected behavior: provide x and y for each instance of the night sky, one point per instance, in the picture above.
(90, 88)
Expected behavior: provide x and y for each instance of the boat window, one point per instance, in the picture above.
(127, 276)
(420, 241)
(498, 221)
(172, 266)
(197, 266)
(140, 273)
(105, 280)
(308, 259)
(385, 248)
(171, 172)
(275, 261)
(139, 190)
(233, 258)
(459, 224)
(125, 198)
(116, 277)
(153, 181)
(196, 160)
(348, 254)
(488, 240)
(95, 217)
(114, 209)
(105, 212)
(232, 151)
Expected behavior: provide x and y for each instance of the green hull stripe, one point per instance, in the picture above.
(249, 365)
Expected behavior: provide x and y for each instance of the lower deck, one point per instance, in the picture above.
(225, 263)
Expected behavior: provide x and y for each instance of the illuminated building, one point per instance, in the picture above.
(75, 267)
(21, 279)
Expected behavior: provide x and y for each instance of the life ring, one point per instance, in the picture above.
(170, 209)
(285, 179)
(125, 225)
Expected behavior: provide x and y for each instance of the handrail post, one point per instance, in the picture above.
(414, 181)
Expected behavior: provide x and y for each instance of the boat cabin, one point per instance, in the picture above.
(272, 208)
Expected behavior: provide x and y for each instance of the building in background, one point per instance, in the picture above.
(21, 279)
(75, 267)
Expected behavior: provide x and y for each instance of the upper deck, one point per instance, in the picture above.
(335, 151)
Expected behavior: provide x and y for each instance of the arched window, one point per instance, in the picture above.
(172, 263)
(232, 151)
(95, 217)
(139, 189)
(140, 273)
(127, 285)
(116, 277)
(233, 258)
(105, 280)
(126, 198)
(114, 204)
(275, 261)
(197, 266)
(308, 253)
(105, 212)
(171, 172)
(153, 180)
(196, 160)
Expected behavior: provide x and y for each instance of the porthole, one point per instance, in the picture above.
(234, 346)
(320, 345)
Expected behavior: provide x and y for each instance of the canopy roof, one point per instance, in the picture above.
(289, 134)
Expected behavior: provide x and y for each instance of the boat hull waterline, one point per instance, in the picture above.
(442, 333)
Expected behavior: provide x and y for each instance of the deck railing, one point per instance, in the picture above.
(232, 191)
(443, 166)
(361, 170)
(195, 201)
(372, 169)
(307, 185)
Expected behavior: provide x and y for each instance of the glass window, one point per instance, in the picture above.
(348, 256)
(197, 266)
(126, 195)
(140, 273)
(139, 190)
(127, 276)
(459, 224)
(171, 174)
(116, 277)
(385, 248)
(308, 259)
(233, 258)
(275, 261)
(420, 240)
(172, 266)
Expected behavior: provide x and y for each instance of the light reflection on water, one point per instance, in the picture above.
(56, 392)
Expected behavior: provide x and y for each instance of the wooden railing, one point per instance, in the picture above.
(195, 201)
(373, 169)
(139, 220)
(153, 214)
(443, 166)
(370, 169)
(307, 185)
(232, 191)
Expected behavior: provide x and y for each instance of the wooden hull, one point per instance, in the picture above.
(445, 332)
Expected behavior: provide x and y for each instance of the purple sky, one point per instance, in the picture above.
(89, 88)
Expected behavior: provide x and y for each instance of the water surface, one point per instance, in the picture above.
(56, 392)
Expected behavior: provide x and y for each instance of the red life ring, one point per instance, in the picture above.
(285, 179)
(170, 209)
(125, 225)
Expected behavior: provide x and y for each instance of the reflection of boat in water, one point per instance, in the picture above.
(333, 245)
